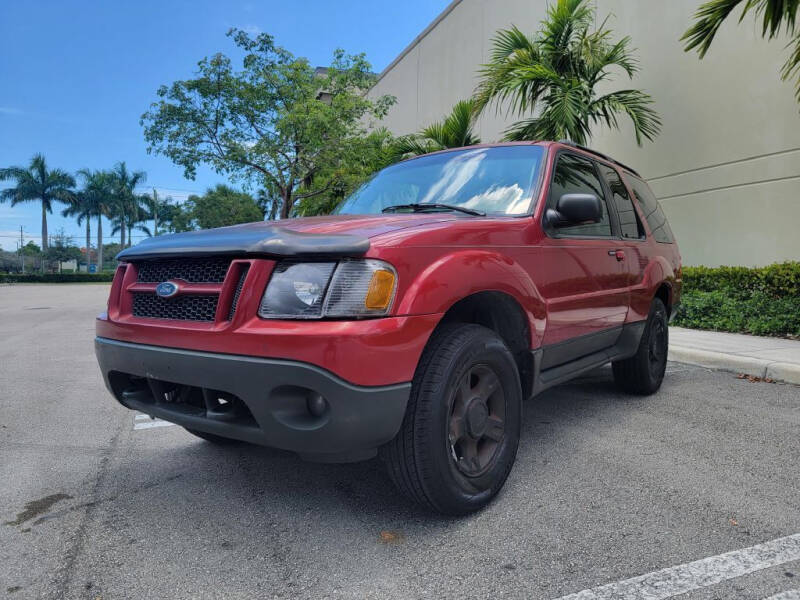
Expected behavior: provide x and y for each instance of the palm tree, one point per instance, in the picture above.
(82, 207)
(155, 206)
(142, 213)
(37, 183)
(774, 13)
(454, 131)
(269, 201)
(98, 192)
(94, 200)
(553, 75)
(133, 218)
(126, 201)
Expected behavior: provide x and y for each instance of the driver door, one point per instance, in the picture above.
(583, 278)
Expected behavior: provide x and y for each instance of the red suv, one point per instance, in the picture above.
(412, 323)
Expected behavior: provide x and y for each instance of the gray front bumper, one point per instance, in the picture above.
(356, 422)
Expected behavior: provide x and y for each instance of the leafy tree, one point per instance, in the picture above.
(775, 15)
(277, 122)
(359, 161)
(554, 75)
(454, 131)
(174, 218)
(127, 209)
(37, 183)
(31, 249)
(62, 249)
(221, 206)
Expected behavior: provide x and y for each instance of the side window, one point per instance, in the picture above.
(577, 175)
(629, 223)
(653, 214)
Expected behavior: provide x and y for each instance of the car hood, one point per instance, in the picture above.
(337, 235)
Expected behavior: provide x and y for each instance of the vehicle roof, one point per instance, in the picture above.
(543, 143)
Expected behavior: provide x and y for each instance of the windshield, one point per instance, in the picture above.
(498, 180)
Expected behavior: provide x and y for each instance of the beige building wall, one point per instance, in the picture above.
(727, 164)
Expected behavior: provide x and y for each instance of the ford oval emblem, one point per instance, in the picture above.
(166, 289)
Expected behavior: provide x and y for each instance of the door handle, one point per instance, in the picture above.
(618, 254)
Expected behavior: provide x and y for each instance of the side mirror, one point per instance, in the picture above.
(575, 209)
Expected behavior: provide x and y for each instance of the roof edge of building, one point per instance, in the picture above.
(418, 39)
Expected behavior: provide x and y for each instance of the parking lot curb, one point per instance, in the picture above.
(779, 371)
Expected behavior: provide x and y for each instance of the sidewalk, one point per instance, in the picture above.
(772, 358)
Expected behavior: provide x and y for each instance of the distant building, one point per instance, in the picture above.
(727, 164)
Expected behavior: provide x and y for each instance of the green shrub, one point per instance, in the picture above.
(760, 301)
(56, 277)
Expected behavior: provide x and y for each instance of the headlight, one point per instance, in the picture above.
(296, 290)
(353, 288)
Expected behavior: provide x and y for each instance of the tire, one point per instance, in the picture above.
(460, 433)
(643, 372)
(214, 439)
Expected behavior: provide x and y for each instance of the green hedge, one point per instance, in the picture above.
(56, 277)
(761, 301)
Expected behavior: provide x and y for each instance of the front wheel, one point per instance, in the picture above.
(459, 437)
(644, 371)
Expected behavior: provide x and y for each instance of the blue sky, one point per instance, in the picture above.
(76, 76)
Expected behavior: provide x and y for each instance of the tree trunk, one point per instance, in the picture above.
(88, 242)
(99, 243)
(44, 233)
(130, 236)
(122, 230)
(286, 207)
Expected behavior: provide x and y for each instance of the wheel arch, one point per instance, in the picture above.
(504, 315)
(664, 293)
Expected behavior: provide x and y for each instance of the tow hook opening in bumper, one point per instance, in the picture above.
(139, 392)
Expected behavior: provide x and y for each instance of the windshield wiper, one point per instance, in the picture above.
(423, 207)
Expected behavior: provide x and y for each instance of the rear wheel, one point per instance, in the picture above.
(644, 371)
(210, 437)
(459, 437)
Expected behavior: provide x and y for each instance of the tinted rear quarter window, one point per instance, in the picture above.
(630, 226)
(653, 213)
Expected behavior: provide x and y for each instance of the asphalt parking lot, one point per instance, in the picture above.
(97, 503)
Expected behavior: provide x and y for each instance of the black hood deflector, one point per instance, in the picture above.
(239, 241)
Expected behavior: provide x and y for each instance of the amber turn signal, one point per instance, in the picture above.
(381, 288)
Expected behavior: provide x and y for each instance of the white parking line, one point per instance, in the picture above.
(152, 424)
(790, 595)
(705, 572)
(142, 421)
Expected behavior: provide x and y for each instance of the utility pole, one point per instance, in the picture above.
(21, 250)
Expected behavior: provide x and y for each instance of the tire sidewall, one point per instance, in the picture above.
(657, 313)
(458, 492)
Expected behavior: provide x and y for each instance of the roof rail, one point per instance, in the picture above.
(600, 154)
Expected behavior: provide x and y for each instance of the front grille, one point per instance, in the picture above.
(180, 308)
(237, 293)
(192, 270)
